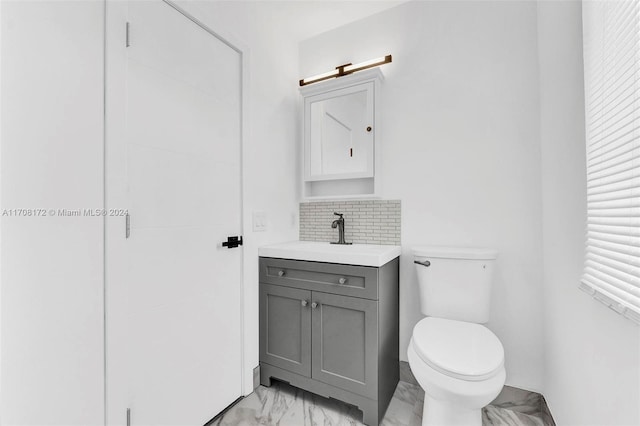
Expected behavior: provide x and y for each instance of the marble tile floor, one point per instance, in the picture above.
(284, 405)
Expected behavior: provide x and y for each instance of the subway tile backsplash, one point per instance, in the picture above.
(366, 221)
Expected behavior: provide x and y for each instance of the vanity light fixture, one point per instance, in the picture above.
(346, 69)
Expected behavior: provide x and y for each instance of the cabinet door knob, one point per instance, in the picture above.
(281, 273)
(342, 280)
(369, 128)
(304, 303)
(314, 305)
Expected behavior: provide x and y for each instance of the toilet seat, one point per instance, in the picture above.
(458, 349)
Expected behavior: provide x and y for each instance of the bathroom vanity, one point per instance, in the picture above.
(329, 321)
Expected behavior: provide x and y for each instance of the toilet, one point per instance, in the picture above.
(456, 360)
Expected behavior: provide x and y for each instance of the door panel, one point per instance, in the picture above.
(182, 103)
(178, 293)
(191, 54)
(285, 328)
(345, 343)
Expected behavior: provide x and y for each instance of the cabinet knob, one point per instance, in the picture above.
(304, 303)
(369, 128)
(314, 305)
(281, 273)
(342, 280)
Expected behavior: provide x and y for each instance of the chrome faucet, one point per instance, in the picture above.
(339, 223)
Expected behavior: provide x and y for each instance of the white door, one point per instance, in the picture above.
(175, 300)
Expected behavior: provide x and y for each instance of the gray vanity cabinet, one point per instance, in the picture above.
(331, 329)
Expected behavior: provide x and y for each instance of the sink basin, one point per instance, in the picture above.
(355, 254)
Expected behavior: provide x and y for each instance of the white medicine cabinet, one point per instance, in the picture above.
(340, 143)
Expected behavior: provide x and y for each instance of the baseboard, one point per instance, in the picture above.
(256, 377)
(406, 375)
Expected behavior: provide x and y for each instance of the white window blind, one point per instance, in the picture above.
(611, 32)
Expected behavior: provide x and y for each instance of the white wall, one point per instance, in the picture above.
(460, 147)
(51, 361)
(592, 355)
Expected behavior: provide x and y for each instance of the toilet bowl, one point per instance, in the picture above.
(456, 360)
(460, 366)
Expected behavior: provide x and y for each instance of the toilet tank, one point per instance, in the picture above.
(456, 284)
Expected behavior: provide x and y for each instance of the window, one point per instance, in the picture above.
(611, 32)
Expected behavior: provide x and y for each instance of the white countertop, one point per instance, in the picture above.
(355, 254)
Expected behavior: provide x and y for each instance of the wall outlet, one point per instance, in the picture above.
(259, 221)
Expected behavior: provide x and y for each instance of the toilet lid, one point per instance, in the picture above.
(459, 349)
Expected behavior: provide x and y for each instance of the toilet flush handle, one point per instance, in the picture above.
(425, 263)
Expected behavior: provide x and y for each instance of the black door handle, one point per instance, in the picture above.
(232, 242)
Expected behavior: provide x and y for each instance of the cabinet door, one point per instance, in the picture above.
(285, 328)
(338, 133)
(345, 343)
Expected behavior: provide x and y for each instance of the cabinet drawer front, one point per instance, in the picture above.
(345, 343)
(348, 280)
(285, 328)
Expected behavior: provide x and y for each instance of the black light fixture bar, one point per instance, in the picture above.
(346, 69)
